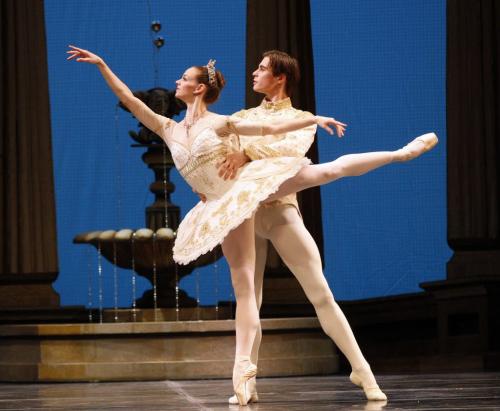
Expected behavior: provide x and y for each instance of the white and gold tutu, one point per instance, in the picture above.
(229, 202)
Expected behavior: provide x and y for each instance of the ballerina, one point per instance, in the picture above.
(198, 144)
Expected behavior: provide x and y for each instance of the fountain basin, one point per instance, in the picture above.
(148, 253)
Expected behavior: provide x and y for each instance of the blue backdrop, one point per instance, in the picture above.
(379, 66)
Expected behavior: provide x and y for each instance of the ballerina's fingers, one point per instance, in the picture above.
(73, 54)
(84, 55)
(80, 59)
(76, 48)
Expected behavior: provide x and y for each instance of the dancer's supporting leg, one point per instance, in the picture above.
(261, 245)
(238, 248)
(352, 165)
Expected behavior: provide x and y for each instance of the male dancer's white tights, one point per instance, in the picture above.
(295, 245)
(282, 225)
(300, 253)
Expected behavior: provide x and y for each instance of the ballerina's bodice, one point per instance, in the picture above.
(197, 163)
(230, 202)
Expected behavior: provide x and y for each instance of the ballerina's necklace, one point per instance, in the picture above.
(191, 119)
(191, 122)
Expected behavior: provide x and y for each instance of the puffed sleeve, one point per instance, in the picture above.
(155, 122)
(166, 126)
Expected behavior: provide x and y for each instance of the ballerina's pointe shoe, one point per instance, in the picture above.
(242, 389)
(374, 405)
(373, 393)
(254, 397)
(417, 147)
(252, 388)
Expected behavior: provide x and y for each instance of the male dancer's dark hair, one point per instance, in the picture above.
(282, 63)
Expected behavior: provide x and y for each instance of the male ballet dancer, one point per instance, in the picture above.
(280, 221)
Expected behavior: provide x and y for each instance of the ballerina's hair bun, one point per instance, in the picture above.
(213, 79)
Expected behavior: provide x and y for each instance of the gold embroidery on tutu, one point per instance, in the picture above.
(257, 152)
(196, 162)
(243, 197)
(223, 208)
(205, 229)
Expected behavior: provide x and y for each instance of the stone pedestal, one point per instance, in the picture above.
(157, 351)
(28, 291)
(468, 312)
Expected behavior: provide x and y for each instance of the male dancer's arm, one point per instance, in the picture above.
(292, 144)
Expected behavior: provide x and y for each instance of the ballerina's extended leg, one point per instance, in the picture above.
(352, 165)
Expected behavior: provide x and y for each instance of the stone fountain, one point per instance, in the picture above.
(148, 250)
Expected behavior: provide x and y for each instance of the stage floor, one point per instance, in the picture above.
(471, 391)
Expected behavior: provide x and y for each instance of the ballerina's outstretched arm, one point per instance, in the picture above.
(155, 122)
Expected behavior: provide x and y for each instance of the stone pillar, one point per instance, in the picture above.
(28, 245)
(468, 309)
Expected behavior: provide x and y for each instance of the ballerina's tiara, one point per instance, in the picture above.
(212, 79)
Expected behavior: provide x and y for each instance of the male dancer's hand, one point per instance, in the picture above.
(229, 167)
